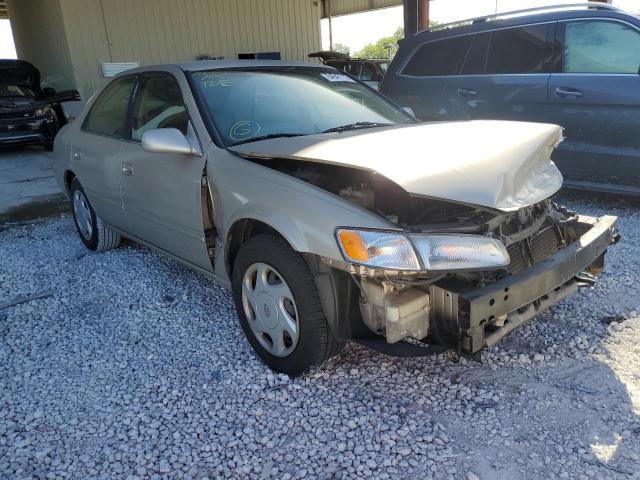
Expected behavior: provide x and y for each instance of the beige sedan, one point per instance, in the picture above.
(327, 210)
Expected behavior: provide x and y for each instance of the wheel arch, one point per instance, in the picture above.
(69, 175)
(339, 295)
(246, 228)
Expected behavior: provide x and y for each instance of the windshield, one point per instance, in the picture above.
(15, 91)
(246, 105)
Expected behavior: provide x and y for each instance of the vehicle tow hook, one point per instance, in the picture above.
(585, 279)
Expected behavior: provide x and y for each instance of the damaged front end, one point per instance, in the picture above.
(478, 278)
(474, 246)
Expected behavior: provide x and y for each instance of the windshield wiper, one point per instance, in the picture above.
(355, 126)
(267, 137)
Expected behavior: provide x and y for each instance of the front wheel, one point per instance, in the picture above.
(279, 307)
(94, 233)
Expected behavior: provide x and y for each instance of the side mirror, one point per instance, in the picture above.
(167, 140)
(409, 111)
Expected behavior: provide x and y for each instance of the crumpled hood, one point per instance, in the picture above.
(496, 164)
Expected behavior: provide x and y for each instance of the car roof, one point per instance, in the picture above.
(490, 23)
(200, 65)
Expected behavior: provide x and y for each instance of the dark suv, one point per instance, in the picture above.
(29, 113)
(577, 67)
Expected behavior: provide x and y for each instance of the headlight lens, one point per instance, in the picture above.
(438, 252)
(460, 252)
(378, 249)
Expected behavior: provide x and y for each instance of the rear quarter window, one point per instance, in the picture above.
(438, 58)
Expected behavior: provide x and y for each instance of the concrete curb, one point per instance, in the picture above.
(42, 207)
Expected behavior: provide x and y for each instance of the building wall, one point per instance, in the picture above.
(39, 39)
(158, 31)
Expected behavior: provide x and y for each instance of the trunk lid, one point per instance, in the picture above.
(496, 164)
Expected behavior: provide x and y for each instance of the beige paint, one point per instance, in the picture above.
(495, 164)
(157, 31)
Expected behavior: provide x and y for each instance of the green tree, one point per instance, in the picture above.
(341, 48)
(386, 47)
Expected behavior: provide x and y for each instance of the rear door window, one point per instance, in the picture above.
(519, 50)
(599, 46)
(438, 58)
(109, 113)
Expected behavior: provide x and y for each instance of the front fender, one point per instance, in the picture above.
(305, 215)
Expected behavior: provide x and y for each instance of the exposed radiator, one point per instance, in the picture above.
(534, 249)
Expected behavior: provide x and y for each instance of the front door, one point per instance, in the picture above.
(162, 191)
(595, 96)
(96, 150)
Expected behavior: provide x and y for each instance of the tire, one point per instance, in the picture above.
(92, 230)
(272, 257)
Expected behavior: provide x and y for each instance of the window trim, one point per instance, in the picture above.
(560, 41)
(134, 100)
(459, 69)
(83, 127)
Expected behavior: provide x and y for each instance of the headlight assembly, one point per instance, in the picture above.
(378, 249)
(460, 252)
(421, 252)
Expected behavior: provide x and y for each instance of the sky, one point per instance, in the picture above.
(357, 30)
(7, 50)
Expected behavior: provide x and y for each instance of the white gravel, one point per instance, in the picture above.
(136, 367)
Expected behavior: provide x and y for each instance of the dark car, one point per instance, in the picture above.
(29, 114)
(368, 70)
(576, 67)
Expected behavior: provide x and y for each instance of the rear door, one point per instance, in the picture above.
(422, 81)
(162, 192)
(504, 75)
(595, 96)
(97, 146)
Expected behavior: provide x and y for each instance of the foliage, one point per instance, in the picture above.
(341, 48)
(386, 47)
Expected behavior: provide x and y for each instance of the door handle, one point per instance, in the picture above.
(77, 156)
(564, 92)
(127, 169)
(466, 92)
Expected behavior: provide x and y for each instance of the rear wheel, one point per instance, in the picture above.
(94, 233)
(279, 307)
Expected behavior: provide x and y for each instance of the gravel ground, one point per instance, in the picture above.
(136, 367)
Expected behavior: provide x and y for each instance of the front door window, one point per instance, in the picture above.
(601, 47)
(159, 105)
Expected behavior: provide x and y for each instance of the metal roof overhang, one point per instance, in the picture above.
(345, 7)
